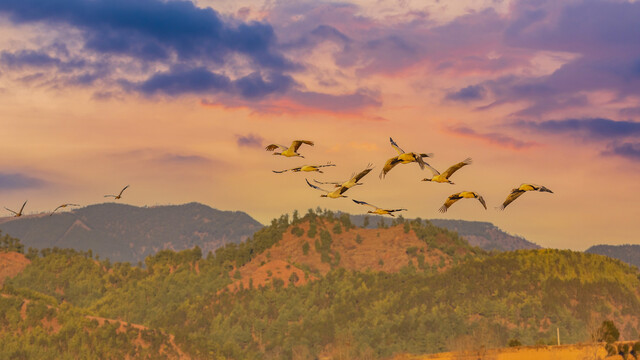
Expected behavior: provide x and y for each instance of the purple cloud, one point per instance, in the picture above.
(595, 128)
(183, 159)
(202, 81)
(626, 150)
(250, 140)
(630, 111)
(604, 33)
(13, 181)
(183, 81)
(469, 93)
(153, 30)
(22, 59)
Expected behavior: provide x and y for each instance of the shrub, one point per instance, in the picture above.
(359, 239)
(297, 231)
(514, 343)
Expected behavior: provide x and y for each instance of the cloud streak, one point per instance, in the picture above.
(630, 151)
(594, 128)
(250, 140)
(493, 138)
(469, 93)
(16, 181)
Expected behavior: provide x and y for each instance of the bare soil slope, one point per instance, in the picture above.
(386, 249)
(11, 263)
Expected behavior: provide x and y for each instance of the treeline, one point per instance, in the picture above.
(8, 243)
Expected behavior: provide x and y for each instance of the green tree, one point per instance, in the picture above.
(337, 228)
(359, 239)
(608, 332)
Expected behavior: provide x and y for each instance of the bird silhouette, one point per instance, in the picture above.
(444, 177)
(288, 151)
(515, 193)
(403, 158)
(61, 206)
(378, 210)
(19, 213)
(116, 197)
(461, 195)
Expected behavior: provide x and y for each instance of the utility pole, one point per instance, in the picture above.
(558, 331)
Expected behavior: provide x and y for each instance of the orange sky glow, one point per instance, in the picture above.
(82, 116)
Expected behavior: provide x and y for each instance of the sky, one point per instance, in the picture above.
(178, 100)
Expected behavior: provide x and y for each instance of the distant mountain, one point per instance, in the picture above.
(485, 235)
(129, 233)
(481, 234)
(627, 253)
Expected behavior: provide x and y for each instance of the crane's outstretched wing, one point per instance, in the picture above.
(481, 199)
(456, 167)
(337, 184)
(515, 193)
(395, 146)
(362, 174)
(123, 189)
(296, 144)
(315, 187)
(364, 203)
(272, 147)
(22, 208)
(450, 201)
(390, 164)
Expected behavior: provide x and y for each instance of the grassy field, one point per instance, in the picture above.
(563, 352)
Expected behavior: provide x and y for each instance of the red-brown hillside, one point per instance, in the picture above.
(11, 263)
(384, 249)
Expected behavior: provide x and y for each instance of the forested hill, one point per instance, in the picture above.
(319, 243)
(129, 233)
(627, 253)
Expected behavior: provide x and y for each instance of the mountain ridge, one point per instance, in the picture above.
(629, 253)
(124, 232)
